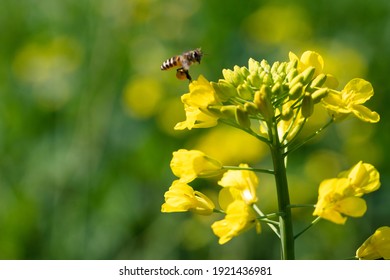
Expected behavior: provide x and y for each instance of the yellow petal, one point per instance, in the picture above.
(361, 89)
(244, 181)
(352, 206)
(365, 114)
(313, 59)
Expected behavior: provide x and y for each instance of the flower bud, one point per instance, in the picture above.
(282, 67)
(263, 102)
(318, 81)
(277, 88)
(307, 105)
(242, 117)
(238, 77)
(233, 77)
(251, 108)
(297, 79)
(275, 66)
(265, 66)
(296, 91)
(307, 75)
(224, 90)
(244, 71)
(291, 74)
(319, 94)
(254, 79)
(253, 65)
(267, 79)
(245, 91)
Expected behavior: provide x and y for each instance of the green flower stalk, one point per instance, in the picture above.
(273, 104)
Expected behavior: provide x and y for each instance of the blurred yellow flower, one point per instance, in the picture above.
(244, 181)
(196, 104)
(377, 246)
(188, 165)
(340, 197)
(350, 100)
(239, 218)
(142, 97)
(181, 198)
(242, 147)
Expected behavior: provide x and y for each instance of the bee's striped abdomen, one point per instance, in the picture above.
(172, 62)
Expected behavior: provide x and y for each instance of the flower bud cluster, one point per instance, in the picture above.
(278, 93)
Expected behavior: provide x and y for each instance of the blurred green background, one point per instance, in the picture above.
(87, 117)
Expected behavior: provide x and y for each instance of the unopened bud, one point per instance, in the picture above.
(254, 79)
(253, 65)
(307, 105)
(277, 88)
(297, 79)
(308, 74)
(251, 108)
(224, 90)
(242, 117)
(318, 81)
(282, 67)
(244, 71)
(275, 66)
(291, 74)
(296, 91)
(267, 79)
(245, 91)
(263, 102)
(233, 77)
(319, 94)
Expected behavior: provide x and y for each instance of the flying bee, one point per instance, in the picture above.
(183, 61)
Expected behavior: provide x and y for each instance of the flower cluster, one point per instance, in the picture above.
(283, 93)
(236, 197)
(273, 104)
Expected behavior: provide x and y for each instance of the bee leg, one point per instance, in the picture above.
(188, 75)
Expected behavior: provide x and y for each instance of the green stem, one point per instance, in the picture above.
(316, 220)
(301, 206)
(270, 224)
(260, 170)
(285, 219)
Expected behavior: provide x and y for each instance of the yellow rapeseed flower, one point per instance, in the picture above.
(181, 198)
(188, 165)
(340, 197)
(244, 181)
(196, 103)
(363, 176)
(377, 246)
(239, 218)
(349, 101)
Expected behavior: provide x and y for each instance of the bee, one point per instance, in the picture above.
(183, 61)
